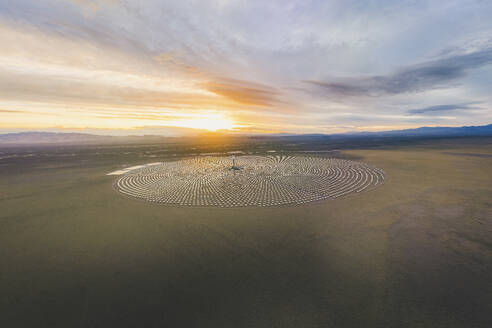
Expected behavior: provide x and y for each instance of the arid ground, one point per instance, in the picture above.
(415, 252)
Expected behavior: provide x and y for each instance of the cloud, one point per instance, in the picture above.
(243, 92)
(8, 111)
(439, 109)
(15, 111)
(436, 74)
(94, 5)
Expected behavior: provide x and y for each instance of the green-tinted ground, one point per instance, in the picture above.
(416, 252)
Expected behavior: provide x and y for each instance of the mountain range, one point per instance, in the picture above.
(26, 138)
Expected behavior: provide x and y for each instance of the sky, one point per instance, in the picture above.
(307, 66)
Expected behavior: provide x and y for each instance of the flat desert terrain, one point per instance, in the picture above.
(414, 252)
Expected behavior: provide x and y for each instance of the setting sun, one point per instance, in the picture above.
(213, 123)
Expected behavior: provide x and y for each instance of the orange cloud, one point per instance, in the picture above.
(243, 92)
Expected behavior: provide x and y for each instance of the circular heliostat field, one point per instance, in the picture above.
(253, 181)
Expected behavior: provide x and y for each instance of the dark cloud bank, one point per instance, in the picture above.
(443, 108)
(435, 74)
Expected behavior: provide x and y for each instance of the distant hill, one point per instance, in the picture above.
(41, 138)
(483, 130)
(60, 138)
(463, 131)
(51, 137)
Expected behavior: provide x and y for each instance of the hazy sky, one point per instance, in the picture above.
(116, 66)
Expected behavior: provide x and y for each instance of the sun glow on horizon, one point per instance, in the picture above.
(210, 123)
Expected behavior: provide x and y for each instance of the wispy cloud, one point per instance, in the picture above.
(435, 74)
(439, 109)
(243, 92)
(8, 111)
